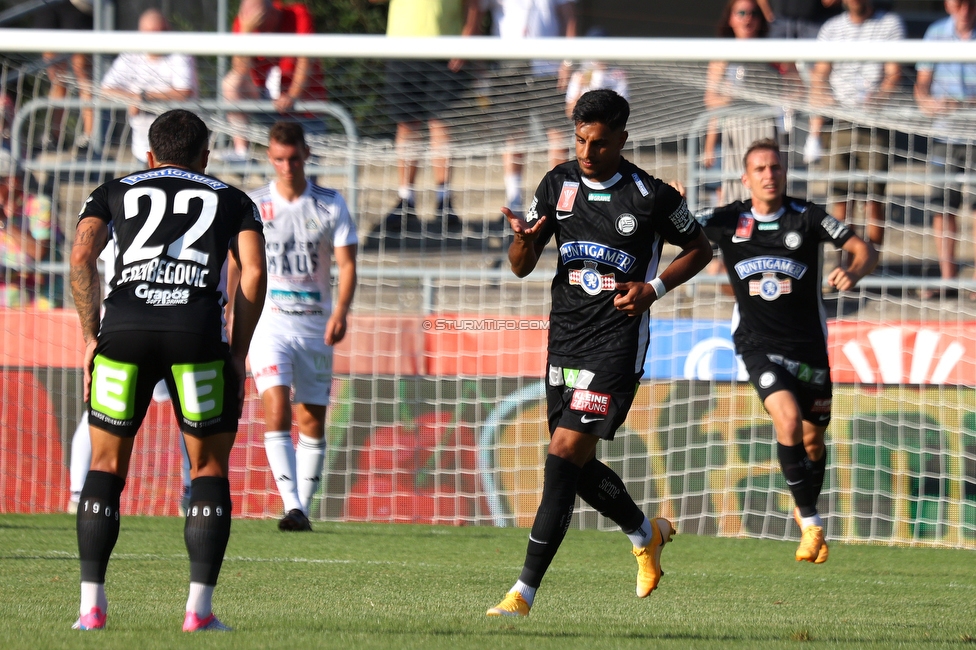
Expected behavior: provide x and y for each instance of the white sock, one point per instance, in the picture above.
(310, 457)
(200, 600)
(80, 456)
(281, 459)
(815, 520)
(643, 535)
(93, 595)
(513, 189)
(528, 593)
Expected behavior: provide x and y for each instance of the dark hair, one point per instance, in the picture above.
(602, 106)
(724, 29)
(178, 137)
(765, 143)
(288, 133)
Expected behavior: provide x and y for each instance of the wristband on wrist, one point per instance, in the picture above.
(659, 289)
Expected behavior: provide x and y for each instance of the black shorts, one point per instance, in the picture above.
(62, 15)
(596, 403)
(417, 91)
(947, 161)
(809, 384)
(197, 370)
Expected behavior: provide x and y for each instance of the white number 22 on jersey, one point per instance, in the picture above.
(179, 249)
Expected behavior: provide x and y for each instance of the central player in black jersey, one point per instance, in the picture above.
(610, 220)
(772, 244)
(175, 230)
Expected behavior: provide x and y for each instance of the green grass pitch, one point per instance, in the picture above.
(400, 586)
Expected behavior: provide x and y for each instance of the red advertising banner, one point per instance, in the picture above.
(914, 353)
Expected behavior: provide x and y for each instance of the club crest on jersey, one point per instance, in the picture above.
(626, 224)
(267, 210)
(576, 251)
(769, 287)
(567, 196)
(591, 280)
(770, 264)
(792, 240)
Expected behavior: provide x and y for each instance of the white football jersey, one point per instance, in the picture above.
(299, 238)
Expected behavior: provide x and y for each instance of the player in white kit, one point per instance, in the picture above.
(306, 228)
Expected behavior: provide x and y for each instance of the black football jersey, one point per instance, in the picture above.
(775, 267)
(172, 228)
(606, 233)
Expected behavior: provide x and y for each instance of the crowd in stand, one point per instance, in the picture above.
(422, 93)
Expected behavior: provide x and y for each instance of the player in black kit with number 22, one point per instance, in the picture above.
(610, 220)
(175, 230)
(772, 249)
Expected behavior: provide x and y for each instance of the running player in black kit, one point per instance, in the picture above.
(175, 229)
(610, 220)
(772, 250)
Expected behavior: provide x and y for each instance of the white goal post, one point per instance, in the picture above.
(438, 412)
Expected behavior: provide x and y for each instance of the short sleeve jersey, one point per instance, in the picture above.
(300, 236)
(295, 19)
(425, 18)
(774, 266)
(606, 233)
(172, 228)
(955, 80)
(853, 81)
(139, 72)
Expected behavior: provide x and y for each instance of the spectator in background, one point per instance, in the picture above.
(727, 82)
(284, 80)
(68, 14)
(940, 90)
(594, 75)
(543, 85)
(422, 91)
(865, 87)
(25, 240)
(797, 18)
(149, 77)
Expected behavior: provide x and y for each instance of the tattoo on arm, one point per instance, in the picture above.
(85, 283)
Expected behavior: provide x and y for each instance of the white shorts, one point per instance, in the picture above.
(305, 364)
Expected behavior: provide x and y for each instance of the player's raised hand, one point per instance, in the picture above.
(842, 279)
(521, 227)
(634, 298)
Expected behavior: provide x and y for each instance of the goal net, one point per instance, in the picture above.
(438, 412)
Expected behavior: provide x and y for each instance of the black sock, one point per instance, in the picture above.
(602, 489)
(551, 519)
(207, 527)
(97, 523)
(818, 471)
(796, 466)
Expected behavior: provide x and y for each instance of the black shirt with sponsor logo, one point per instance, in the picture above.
(606, 233)
(172, 228)
(775, 267)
